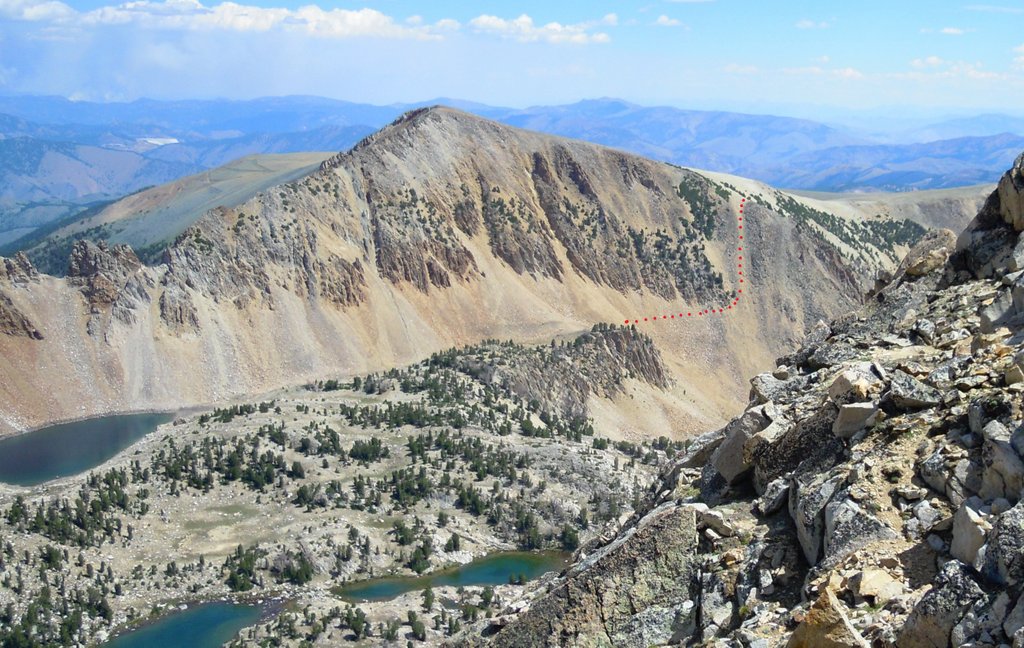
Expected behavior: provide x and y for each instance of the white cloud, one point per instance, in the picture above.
(665, 21)
(935, 68)
(810, 24)
(194, 15)
(926, 62)
(813, 70)
(35, 11)
(971, 71)
(523, 29)
(848, 73)
(1019, 60)
(736, 68)
(611, 20)
(689, 1)
(946, 31)
(341, 23)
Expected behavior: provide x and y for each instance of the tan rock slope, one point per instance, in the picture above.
(441, 229)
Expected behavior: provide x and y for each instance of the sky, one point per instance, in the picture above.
(795, 57)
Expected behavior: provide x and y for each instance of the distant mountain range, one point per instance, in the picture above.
(58, 157)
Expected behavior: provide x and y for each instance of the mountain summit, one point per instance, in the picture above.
(440, 229)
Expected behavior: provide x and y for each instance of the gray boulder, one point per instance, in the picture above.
(931, 622)
(729, 457)
(908, 392)
(849, 527)
(1004, 553)
(1003, 473)
(808, 498)
(970, 529)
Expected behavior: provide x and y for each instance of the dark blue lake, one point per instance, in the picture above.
(494, 569)
(71, 448)
(205, 626)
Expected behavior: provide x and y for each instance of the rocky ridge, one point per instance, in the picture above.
(869, 495)
(16, 271)
(442, 229)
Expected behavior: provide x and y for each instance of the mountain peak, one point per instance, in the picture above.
(410, 121)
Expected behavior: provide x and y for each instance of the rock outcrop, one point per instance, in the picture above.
(871, 493)
(16, 272)
(635, 592)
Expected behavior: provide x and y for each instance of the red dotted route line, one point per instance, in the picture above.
(707, 311)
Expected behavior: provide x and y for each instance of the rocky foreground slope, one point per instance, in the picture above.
(869, 495)
(442, 229)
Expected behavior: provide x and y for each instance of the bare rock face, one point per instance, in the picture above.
(177, 310)
(14, 322)
(102, 272)
(14, 272)
(561, 378)
(929, 254)
(17, 269)
(112, 282)
(1011, 195)
(635, 592)
(241, 268)
(987, 247)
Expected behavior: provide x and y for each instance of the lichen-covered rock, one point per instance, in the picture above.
(849, 527)
(1004, 553)
(808, 446)
(808, 497)
(1003, 474)
(636, 591)
(908, 392)
(931, 622)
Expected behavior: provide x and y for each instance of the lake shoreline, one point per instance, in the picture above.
(487, 569)
(55, 452)
(270, 605)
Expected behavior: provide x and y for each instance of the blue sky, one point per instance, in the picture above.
(795, 57)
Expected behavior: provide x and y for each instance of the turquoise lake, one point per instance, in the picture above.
(494, 569)
(71, 448)
(204, 626)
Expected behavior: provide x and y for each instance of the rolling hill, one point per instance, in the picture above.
(152, 217)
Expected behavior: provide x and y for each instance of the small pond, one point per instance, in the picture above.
(494, 569)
